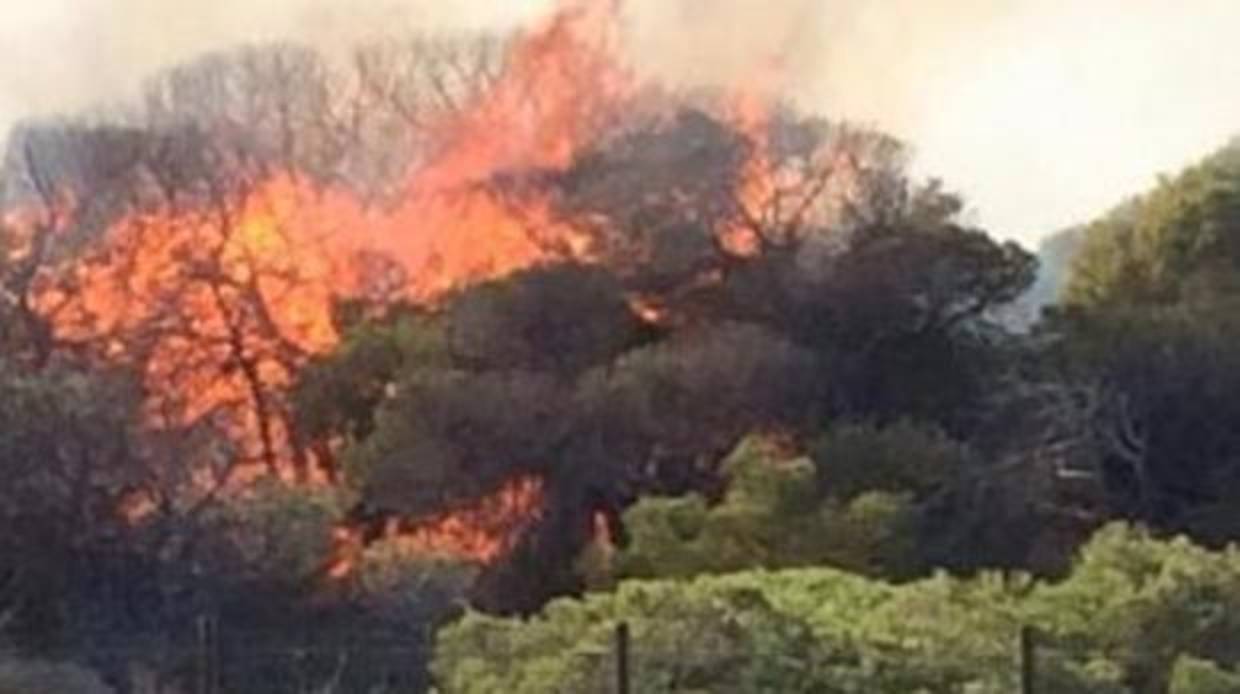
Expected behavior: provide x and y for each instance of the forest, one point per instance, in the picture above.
(421, 369)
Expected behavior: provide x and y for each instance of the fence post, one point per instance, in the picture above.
(208, 656)
(622, 658)
(1028, 660)
(204, 656)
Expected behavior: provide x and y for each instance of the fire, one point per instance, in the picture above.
(482, 534)
(485, 532)
(219, 297)
(221, 300)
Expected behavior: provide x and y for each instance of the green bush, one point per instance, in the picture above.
(773, 516)
(1197, 676)
(1136, 615)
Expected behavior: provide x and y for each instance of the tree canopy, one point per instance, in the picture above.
(1135, 614)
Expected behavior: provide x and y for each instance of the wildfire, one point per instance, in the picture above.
(481, 534)
(221, 297)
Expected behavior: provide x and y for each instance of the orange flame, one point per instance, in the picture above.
(220, 302)
(483, 533)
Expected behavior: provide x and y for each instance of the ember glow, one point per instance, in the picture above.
(484, 533)
(220, 296)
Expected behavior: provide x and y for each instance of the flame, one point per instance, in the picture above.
(482, 534)
(219, 299)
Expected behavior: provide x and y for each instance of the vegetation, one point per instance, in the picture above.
(1136, 614)
(765, 401)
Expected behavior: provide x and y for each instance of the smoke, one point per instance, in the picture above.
(1043, 112)
(732, 41)
(71, 55)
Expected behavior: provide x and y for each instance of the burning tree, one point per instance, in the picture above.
(576, 287)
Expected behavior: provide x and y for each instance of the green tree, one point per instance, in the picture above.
(337, 395)
(1142, 602)
(723, 636)
(1175, 243)
(1197, 676)
(774, 514)
(1136, 615)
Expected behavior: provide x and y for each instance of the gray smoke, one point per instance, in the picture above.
(70, 55)
(1044, 112)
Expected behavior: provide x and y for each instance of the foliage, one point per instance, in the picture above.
(853, 504)
(695, 395)
(722, 635)
(1158, 388)
(1131, 382)
(1197, 676)
(903, 457)
(1141, 603)
(773, 515)
(70, 464)
(655, 418)
(65, 445)
(412, 587)
(339, 393)
(562, 318)
(274, 535)
(1132, 617)
(1171, 244)
(550, 373)
(123, 593)
(289, 621)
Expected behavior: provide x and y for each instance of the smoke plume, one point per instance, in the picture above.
(1043, 111)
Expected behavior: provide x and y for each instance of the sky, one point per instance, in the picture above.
(1043, 113)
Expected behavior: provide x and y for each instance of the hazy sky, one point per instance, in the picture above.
(1043, 112)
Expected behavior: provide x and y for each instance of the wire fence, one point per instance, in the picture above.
(1035, 655)
(219, 661)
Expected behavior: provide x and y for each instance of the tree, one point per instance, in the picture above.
(561, 319)
(657, 417)
(773, 515)
(1155, 386)
(158, 238)
(338, 395)
(294, 609)
(1121, 394)
(1142, 342)
(815, 230)
(853, 459)
(72, 468)
(719, 637)
(1136, 614)
(1172, 244)
(1197, 676)
(1144, 603)
(712, 305)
